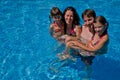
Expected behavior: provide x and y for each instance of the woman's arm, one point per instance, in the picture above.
(71, 44)
(70, 38)
(78, 31)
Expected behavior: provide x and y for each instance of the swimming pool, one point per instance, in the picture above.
(27, 49)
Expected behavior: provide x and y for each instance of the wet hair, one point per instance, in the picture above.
(104, 22)
(89, 13)
(55, 11)
(76, 18)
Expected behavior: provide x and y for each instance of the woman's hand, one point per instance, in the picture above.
(72, 44)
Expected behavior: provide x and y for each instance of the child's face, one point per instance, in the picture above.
(88, 21)
(98, 26)
(68, 17)
(56, 18)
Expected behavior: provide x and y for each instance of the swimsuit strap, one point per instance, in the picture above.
(72, 32)
(97, 40)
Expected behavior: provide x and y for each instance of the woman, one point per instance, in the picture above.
(71, 27)
(71, 20)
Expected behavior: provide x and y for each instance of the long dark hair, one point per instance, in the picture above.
(76, 19)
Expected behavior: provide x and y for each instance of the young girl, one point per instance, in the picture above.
(57, 26)
(100, 36)
(98, 40)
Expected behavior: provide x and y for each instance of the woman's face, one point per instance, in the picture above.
(88, 21)
(68, 17)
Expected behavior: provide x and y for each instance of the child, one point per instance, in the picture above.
(57, 26)
(98, 40)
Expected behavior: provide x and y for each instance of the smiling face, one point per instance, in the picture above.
(56, 14)
(56, 18)
(98, 26)
(88, 21)
(68, 17)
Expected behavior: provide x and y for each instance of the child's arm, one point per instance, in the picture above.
(79, 45)
(51, 30)
(77, 31)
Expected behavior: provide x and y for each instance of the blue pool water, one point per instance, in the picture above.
(27, 49)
